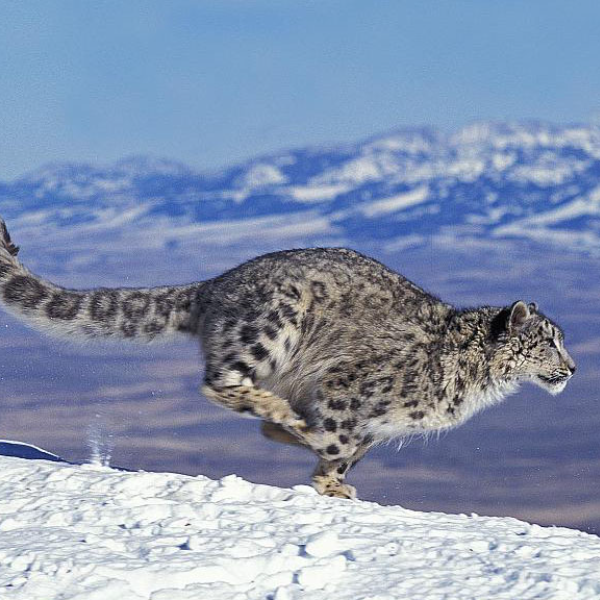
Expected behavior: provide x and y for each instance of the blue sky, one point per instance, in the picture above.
(211, 82)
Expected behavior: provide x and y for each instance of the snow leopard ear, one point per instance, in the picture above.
(519, 313)
(533, 307)
(511, 318)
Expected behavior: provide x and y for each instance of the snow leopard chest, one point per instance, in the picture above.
(419, 420)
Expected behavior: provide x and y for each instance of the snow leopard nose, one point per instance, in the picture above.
(570, 365)
(568, 362)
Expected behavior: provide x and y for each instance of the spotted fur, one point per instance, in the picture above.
(144, 314)
(330, 348)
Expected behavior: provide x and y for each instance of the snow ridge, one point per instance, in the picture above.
(91, 533)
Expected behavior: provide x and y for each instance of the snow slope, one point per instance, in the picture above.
(88, 533)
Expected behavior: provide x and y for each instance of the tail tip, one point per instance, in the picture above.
(5, 240)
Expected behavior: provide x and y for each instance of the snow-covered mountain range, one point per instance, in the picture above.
(528, 181)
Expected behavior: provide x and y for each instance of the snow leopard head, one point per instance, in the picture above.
(533, 347)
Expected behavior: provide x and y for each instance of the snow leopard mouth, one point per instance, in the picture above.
(554, 384)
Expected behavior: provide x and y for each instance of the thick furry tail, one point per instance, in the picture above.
(123, 313)
(5, 240)
(8, 252)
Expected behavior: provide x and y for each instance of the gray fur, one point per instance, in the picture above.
(332, 349)
(143, 314)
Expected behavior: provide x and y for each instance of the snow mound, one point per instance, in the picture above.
(92, 533)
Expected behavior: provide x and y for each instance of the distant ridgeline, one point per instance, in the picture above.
(533, 182)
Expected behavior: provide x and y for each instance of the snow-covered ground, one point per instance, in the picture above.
(88, 533)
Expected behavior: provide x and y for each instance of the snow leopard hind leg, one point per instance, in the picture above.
(329, 475)
(284, 425)
(328, 478)
(234, 362)
(247, 399)
(231, 382)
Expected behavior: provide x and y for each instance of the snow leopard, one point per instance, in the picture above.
(331, 349)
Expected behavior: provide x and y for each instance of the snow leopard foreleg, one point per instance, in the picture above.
(328, 477)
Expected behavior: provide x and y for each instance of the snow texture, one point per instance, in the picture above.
(92, 533)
